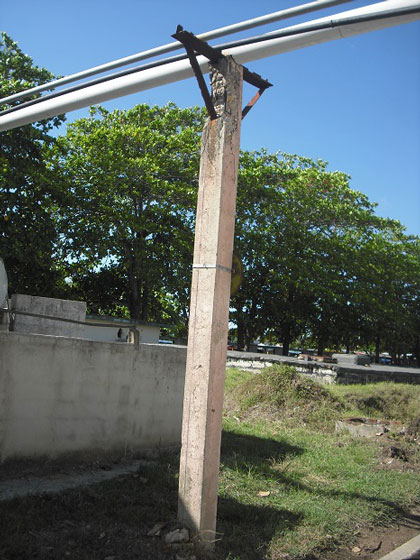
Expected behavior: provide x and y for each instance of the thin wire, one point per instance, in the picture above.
(220, 32)
(243, 42)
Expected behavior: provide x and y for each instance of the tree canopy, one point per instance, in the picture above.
(131, 182)
(320, 267)
(28, 197)
(105, 213)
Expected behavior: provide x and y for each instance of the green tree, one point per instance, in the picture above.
(412, 252)
(270, 299)
(258, 172)
(387, 297)
(298, 231)
(28, 199)
(131, 178)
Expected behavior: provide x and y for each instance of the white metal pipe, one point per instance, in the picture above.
(164, 49)
(177, 71)
(339, 30)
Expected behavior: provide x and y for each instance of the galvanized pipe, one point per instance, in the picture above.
(177, 71)
(164, 49)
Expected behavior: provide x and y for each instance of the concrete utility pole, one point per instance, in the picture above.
(209, 310)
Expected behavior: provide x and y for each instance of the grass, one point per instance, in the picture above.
(279, 392)
(319, 487)
(393, 401)
(322, 489)
(279, 437)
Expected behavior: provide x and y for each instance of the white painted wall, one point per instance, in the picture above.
(5, 316)
(60, 395)
(149, 334)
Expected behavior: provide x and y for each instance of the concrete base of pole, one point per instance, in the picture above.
(209, 310)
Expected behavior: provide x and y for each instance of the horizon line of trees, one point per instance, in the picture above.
(105, 213)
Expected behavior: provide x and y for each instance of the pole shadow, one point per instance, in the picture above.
(246, 529)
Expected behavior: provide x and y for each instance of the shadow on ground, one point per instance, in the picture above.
(247, 529)
(112, 519)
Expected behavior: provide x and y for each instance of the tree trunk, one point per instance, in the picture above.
(321, 347)
(286, 341)
(135, 279)
(145, 302)
(133, 293)
(322, 343)
(417, 352)
(248, 339)
(377, 350)
(240, 334)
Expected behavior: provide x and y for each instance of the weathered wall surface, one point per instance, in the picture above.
(256, 362)
(149, 334)
(74, 310)
(326, 373)
(61, 395)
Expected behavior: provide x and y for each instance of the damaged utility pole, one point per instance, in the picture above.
(209, 310)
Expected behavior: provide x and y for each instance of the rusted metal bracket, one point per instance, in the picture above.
(194, 45)
(191, 43)
(251, 103)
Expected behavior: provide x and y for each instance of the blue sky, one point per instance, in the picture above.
(354, 102)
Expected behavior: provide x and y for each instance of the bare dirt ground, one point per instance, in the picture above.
(375, 542)
(104, 510)
(101, 510)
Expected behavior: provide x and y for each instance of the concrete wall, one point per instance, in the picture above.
(103, 331)
(256, 362)
(67, 309)
(149, 334)
(60, 395)
(326, 373)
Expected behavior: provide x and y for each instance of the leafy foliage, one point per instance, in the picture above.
(28, 197)
(320, 266)
(106, 214)
(131, 180)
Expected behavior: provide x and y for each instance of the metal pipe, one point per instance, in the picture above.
(289, 31)
(306, 27)
(387, 14)
(220, 32)
(100, 80)
(177, 71)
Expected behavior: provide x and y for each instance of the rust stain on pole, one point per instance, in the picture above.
(209, 309)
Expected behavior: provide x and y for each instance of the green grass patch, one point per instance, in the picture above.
(280, 393)
(393, 401)
(322, 486)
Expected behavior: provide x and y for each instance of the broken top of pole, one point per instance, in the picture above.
(193, 45)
